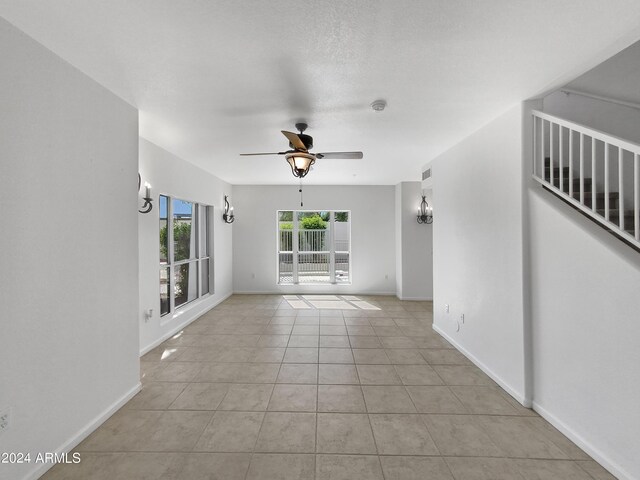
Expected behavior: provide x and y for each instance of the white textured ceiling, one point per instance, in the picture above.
(216, 78)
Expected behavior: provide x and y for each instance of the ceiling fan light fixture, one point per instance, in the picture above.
(300, 163)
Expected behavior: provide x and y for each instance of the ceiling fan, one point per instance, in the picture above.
(299, 156)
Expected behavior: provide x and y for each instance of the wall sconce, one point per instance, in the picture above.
(227, 216)
(148, 206)
(425, 212)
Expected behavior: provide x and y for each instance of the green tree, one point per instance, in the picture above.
(313, 223)
(181, 251)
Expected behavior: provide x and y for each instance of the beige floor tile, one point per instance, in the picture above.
(551, 433)
(303, 341)
(363, 341)
(178, 372)
(306, 329)
(460, 435)
(308, 321)
(431, 341)
(382, 331)
(298, 373)
(287, 433)
(341, 398)
(484, 400)
(444, 356)
(156, 396)
(378, 375)
(387, 399)
(231, 432)
(518, 439)
(333, 330)
(418, 375)
(148, 431)
(282, 467)
(277, 329)
(109, 466)
(463, 375)
(435, 399)
(218, 373)
(247, 397)
(301, 355)
(370, 356)
(344, 433)
(293, 398)
(397, 342)
(360, 330)
(405, 356)
(334, 374)
(415, 468)
(382, 322)
(595, 470)
(348, 467)
(334, 341)
(479, 468)
(335, 355)
(334, 320)
(200, 396)
(209, 466)
(268, 355)
(256, 372)
(402, 435)
(550, 470)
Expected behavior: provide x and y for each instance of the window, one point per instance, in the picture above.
(314, 247)
(185, 262)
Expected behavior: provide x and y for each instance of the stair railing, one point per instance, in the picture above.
(593, 171)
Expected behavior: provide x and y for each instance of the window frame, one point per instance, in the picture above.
(295, 252)
(197, 260)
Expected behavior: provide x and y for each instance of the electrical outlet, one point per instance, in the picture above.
(386, 276)
(4, 420)
(446, 308)
(253, 275)
(462, 318)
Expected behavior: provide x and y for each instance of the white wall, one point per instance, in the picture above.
(414, 244)
(372, 235)
(69, 281)
(170, 175)
(586, 331)
(478, 249)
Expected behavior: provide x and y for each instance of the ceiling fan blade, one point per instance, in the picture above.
(340, 155)
(251, 154)
(295, 140)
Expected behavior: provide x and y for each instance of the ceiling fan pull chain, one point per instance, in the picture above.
(300, 190)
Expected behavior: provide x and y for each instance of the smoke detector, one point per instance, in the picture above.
(379, 105)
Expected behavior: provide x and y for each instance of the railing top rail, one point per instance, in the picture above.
(592, 132)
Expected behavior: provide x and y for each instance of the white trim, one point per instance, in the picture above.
(526, 402)
(180, 326)
(310, 292)
(592, 451)
(85, 432)
(415, 299)
(572, 91)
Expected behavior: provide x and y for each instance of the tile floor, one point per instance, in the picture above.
(346, 388)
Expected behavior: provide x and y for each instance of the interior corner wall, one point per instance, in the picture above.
(414, 247)
(372, 236)
(175, 177)
(478, 249)
(69, 243)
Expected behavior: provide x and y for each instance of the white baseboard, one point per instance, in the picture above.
(280, 292)
(496, 378)
(180, 326)
(85, 432)
(415, 299)
(592, 451)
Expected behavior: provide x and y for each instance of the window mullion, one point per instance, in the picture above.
(170, 252)
(295, 245)
(332, 248)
